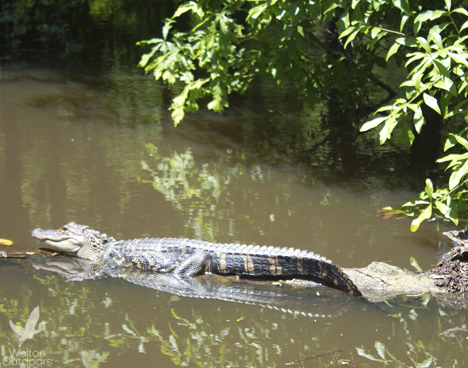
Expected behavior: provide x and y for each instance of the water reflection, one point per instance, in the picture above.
(107, 322)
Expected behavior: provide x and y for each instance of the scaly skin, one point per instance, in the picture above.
(186, 257)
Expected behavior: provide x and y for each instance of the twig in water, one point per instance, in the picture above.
(333, 359)
(312, 357)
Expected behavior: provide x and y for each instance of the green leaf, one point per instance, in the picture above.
(393, 50)
(380, 349)
(416, 56)
(464, 26)
(402, 5)
(431, 102)
(457, 175)
(355, 3)
(448, 4)
(404, 19)
(441, 68)
(167, 26)
(218, 103)
(461, 11)
(446, 84)
(450, 142)
(373, 123)
(348, 31)
(352, 36)
(387, 130)
(423, 42)
(429, 188)
(423, 17)
(415, 264)
(437, 14)
(406, 133)
(256, 11)
(414, 203)
(375, 31)
(453, 157)
(461, 141)
(442, 313)
(145, 58)
(407, 41)
(437, 40)
(186, 7)
(413, 315)
(460, 59)
(424, 215)
(418, 120)
(363, 353)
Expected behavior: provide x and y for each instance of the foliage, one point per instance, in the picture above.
(330, 50)
(37, 22)
(432, 45)
(280, 39)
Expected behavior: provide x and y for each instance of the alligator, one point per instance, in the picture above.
(185, 258)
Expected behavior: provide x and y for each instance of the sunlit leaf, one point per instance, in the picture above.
(426, 363)
(442, 313)
(412, 314)
(375, 31)
(436, 14)
(457, 157)
(167, 26)
(393, 50)
(386, 132)
(448, 4)
(416, 56)
(461, 141)
(425, 299)
(363, 353)
(404, 19)
(406, 41)
(423, 42)
(424, 16)
(437, 39)
(380, 349)
(351, 37)
(461, 11)
(464, 26)
(415, 264)
(431, 102)
(457, 175)
(256, 11)
(418, 119)
(5, 242)
(429, 188)
(414, 203)
(424, 215)
(373, 123)
(458, 58)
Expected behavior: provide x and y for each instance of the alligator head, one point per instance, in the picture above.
(79, 240)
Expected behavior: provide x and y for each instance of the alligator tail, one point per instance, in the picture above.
(265, 261)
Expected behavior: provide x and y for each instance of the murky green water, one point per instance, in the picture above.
(104, 153)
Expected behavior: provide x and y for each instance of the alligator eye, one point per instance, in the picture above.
(63, 229)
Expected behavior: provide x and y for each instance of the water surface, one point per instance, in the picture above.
(104, 153)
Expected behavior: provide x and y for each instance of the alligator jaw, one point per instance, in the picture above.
(57, 240)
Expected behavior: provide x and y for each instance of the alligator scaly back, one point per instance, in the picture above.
(187, 257)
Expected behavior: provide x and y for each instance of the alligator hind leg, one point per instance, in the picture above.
(192, 265)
